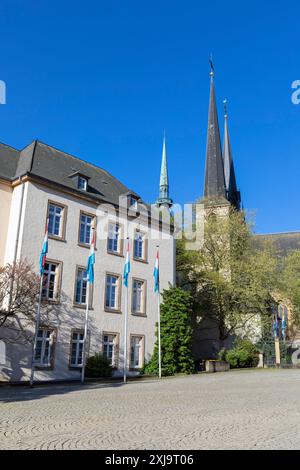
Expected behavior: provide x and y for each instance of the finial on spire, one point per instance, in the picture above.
(225, 107)
(212, 70)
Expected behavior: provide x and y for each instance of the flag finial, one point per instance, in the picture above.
(225, 107)
(212, 70)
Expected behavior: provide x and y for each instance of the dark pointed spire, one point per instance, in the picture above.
(233, 195)
(164, 198)
(214, 171)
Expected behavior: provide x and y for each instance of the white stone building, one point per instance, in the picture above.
(41, 182)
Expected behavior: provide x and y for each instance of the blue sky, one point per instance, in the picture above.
(102, 79)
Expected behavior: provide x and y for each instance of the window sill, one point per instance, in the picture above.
(112, 310)
(85, 245)
(78, 368)
(51, 302)
(135, 369)
(137, 314)
(55, 237)
(115, 253)
(39, 367)
(141, 260)
(82, 307)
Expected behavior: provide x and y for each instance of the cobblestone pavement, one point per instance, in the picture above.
(251, 409)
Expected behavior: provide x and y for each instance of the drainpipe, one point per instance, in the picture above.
(16, 242)
(19, 221)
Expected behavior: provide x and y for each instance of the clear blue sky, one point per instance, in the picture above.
(102, 79)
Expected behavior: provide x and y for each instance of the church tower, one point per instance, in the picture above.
(164, 198)
(214, 185)
(220, 188)
(232, 193)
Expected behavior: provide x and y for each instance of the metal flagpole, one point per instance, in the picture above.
(125, 327)
(37, 324)
(158, 324)
(158, 332)
(125, 335)
(85, 331)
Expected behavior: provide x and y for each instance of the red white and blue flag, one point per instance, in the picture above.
(127, 266)
(44, 251)
(156, 273)
(91, 260)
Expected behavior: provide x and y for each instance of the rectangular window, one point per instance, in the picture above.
(112, 292)
(138, 295)
(76, 348)
(44, 347)
(114, 239)
(110, 345)
(139, 246)
(133, 202)
(55, 215)
(81, 286)
(85, 229)
(50, 281)
(82, 183)
(136, 352)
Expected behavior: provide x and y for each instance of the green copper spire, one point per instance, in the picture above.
(164, 198)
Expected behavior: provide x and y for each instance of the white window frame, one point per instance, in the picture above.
(139, 238)
(81, 275)
(46, 341)
(138, 349)
(112, 340)
(82, 183)
(77, 343)
(114, 235)
(116, 285)
(55, 214)
(87, 226)
(48, 274)
(133, 203)
(138, 296)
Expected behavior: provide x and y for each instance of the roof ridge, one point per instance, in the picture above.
(9, 146)
(279, 233)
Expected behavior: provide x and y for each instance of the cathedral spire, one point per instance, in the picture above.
(164, 198)
(233, 195)
(214, 171)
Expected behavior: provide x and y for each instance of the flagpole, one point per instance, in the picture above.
(125, 327)
(85, 331)
(125, 336)
(37, 325)
(158, 326)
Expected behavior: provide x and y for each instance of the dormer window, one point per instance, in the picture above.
(82, 183)
(80, 180)
(132, 202)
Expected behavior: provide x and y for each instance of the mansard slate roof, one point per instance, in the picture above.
(42, 160)
(9, 158)
(284, 242)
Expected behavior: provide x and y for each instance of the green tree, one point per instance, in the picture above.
(290, 283)
(176, 334)
(230, 277)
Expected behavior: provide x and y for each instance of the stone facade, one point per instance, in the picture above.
(24, 208)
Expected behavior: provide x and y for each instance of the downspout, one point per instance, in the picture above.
(19, 221)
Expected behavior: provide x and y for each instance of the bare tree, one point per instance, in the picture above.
(19, 289)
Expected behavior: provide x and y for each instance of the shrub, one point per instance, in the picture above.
(243, 354)
(176, 335)
(98, 366)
